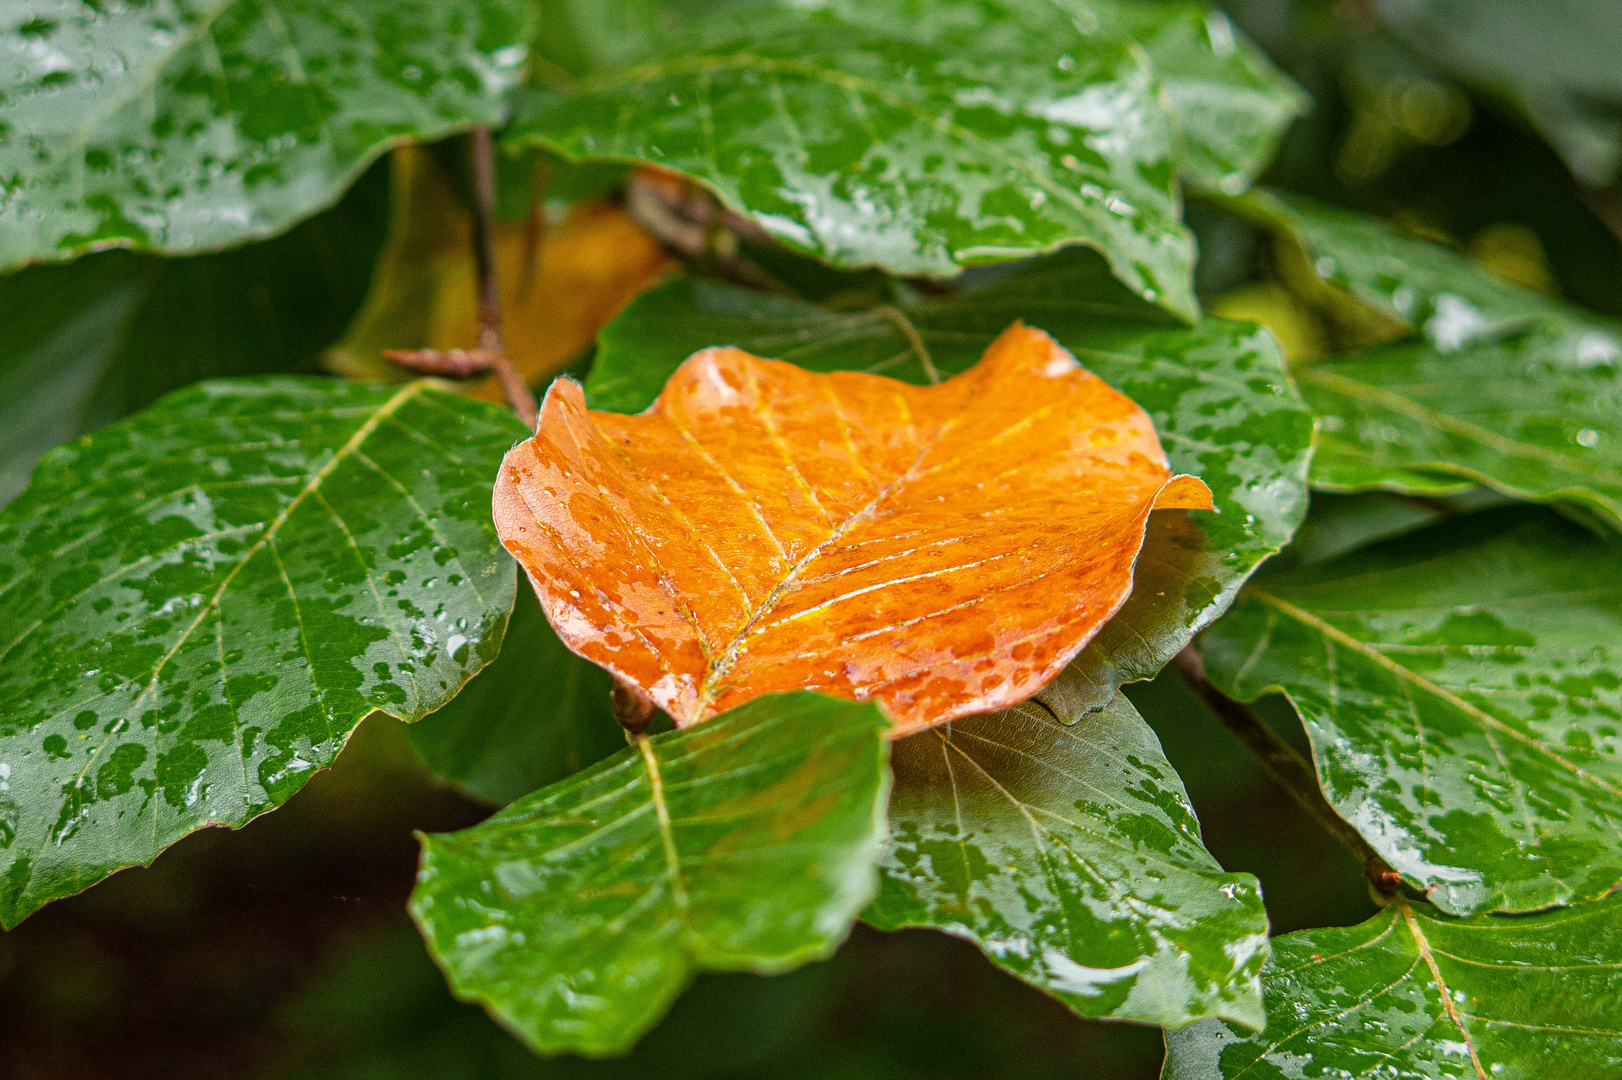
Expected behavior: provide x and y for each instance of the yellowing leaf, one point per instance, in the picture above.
(424, 291)
(944, 550)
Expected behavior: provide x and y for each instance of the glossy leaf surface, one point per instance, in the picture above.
(1071, 855)
(1411, 994)
(1446, 296)
(944, 550)
(198, 604)
(1460, 686)
(1217, 394)
(190, 125)
(558, 286)
(87, 343)
(746, 844)
(920, 137)
(1535, 413)
(1232, 105)
(536, 714)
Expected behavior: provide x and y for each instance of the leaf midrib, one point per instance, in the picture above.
(349, 447)
(1367, 651)
(1423, 414)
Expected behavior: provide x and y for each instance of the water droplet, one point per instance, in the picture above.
(1588, 437)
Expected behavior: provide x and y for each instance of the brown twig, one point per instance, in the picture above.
(1293, 772)
(693, 226)
(484, 257)
(445, 363)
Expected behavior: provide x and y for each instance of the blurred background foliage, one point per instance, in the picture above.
(282, 950)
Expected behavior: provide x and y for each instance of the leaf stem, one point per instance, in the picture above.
(484, 257)
(1292, 771)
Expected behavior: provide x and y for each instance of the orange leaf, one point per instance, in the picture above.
(945, 549)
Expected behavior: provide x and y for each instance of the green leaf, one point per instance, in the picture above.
(1559, 68)
(537, 714)
(746, 843)
(198, 605)
(190, 125)
(1217, 393)
(918, 136)
(1411, 994)
(1534, 413)
(1459, 688)
(89, 342)
(1073, 858)
(1232, 104)
(1446, 296)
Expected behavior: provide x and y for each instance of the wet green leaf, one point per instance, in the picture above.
(1232, 105)
(1535, 413)
(1412, 994)
(918, 136)
(537, 714)
(1073, 858)
(1216, 391)
(1503, 386)
(90, 342)
(190, 125)
(198, 604)
(746, 843)
(1459, 685)
(1449, 298)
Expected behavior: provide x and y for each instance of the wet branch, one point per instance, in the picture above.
(1293, 772)
(491, 355)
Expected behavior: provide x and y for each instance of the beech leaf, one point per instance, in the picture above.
(1217, 392)
(945, 550)
(1459, 686)
(184, 126)
(1410, 994)
(578, 914)
(1073, 858)
(198, 604)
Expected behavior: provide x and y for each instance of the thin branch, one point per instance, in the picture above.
(692, 225)
(1293, 772)
(445, 363)
(484, 255)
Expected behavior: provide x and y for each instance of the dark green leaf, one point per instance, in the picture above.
(1534, 413)
(1411, 994)
(1505, 387)
(919, 136)
(1072, 857)
(1559, 67)
(90, 342)
(1446, 296)
(1459, 686)
(746, 843)
(198, 605)
(1231, 103)
(1216, 391)
(191, 125)
(537, 714)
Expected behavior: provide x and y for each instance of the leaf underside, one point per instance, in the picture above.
(1072, 857)
(198, 605)
(1410, 994)
(745, 844)
(1460, 688)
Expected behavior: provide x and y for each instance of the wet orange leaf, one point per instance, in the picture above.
(945, 549)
